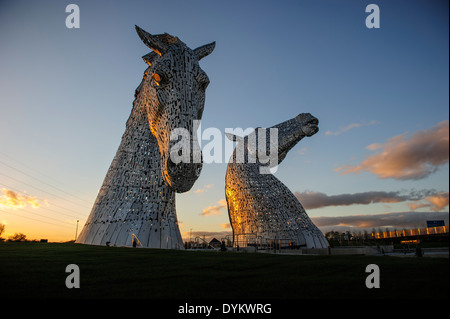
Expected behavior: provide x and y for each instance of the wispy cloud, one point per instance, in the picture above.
(421, 198)
(16, 200)
(349, 127)
(435, 202)
(204, 189)
(407, 159)
(303, 151)
(216, 209)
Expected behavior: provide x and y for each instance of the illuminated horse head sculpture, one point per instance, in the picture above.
(261, 208)
(136, 204)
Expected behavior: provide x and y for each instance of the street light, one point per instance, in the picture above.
(76, 231)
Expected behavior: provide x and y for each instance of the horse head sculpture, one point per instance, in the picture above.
(174, 85)
(265, 148)
(262, 210)
(136, 203)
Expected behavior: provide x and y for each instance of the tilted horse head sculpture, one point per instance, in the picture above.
(261, 208)
(266, 148)
(175, 85)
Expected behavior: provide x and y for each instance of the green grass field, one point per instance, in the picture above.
(37, 270)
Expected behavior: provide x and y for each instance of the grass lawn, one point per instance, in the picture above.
(37, 270)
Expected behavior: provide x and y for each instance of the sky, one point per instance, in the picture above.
(380, 159)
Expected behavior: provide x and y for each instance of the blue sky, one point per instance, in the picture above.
(65, 95)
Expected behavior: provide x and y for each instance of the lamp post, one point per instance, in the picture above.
(76, 231)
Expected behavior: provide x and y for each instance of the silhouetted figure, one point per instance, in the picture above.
(419, 252)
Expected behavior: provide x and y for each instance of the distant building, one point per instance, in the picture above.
(215, 243)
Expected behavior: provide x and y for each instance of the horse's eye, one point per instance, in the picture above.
(157, 78)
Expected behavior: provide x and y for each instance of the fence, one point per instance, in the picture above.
(259, 242)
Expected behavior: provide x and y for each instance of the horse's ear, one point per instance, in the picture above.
(204, 50)
(151, 41)
(148, 58)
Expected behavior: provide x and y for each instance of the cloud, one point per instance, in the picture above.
(406, 159)
(16, 200)
(204, 189)
(215, 210)
(349, 127)
(436, 200)
(225, 225)
(392, 220)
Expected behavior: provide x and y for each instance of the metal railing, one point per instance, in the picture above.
(259, 242)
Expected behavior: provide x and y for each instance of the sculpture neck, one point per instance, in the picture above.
(138, 158)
